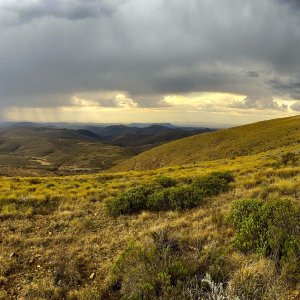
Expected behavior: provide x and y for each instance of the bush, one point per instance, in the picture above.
(153, 270)
(184, 197)
(162, 194)
(213, 184)
(165, 181)
(174, 198)
(129, 202)
(270, 228)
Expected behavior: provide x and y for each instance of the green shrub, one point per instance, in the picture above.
(270, 228)
(184, 197)
(213, 184)
(153, 270)
(129, 202)
(158, 200)
(174, 198)
(165, 181)
(165, 267)
(163, 195)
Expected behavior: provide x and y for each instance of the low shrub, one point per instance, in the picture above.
(153, 270)
(165, 181)
(184, 197)
(213, 184)
(270, 228)
(132, 201)
(174, 198)
(164, 267)
(162, 194)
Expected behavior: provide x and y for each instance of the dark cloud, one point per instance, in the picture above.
(252, 74)
(295, 4)
(64, 9)
(51, 51)
(289, 85)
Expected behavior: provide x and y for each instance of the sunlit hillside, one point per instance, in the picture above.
(227, 143)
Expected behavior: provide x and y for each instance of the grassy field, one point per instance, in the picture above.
(57, 240)
(227, 143)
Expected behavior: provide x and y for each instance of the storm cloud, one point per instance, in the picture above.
(54, 50)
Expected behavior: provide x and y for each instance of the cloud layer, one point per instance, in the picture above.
(53, 51)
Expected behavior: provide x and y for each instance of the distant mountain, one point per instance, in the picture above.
(143, 138)
(225, 143)
(143, 125)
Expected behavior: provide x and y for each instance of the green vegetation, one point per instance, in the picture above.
(164, 195)
(270, 228)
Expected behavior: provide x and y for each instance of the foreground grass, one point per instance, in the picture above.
(57, 241)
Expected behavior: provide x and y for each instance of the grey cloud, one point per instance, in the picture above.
(145, 49)
(260, 102)
(65, 9)
(295, 106)
(292, 3)
(290, 86)
(252, 74)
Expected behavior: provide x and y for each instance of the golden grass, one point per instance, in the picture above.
(56, 238)
(227, 143)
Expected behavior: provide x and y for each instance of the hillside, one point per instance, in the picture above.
(226, 143)
(145, 255)
(38, 150)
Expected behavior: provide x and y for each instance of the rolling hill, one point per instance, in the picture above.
(44, 150)
(31, 148)
(226, 143)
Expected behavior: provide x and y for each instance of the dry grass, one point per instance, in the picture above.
(58, 242)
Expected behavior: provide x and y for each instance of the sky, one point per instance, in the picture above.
(122, 61)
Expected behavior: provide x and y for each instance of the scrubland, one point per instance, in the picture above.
(59, 240)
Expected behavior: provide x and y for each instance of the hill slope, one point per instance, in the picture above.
(226, 143)
(56, 150)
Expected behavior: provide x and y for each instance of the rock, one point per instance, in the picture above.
(92, 276)
(12, 254)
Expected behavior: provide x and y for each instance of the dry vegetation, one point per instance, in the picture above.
(226, 143)
(57, 240)
(46, 151)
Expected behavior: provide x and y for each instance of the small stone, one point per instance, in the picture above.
(12, 254)
(92, 276)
